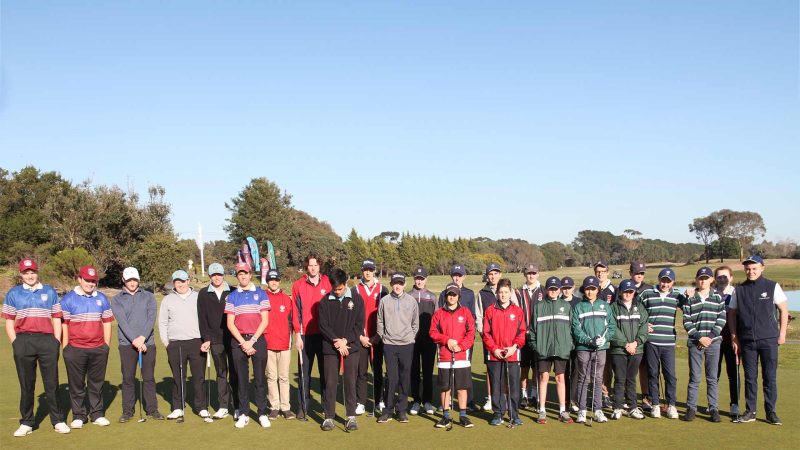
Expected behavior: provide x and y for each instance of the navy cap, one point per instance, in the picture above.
(531, 268)
(600, 263)
(627, 285)
(704, 272)
(420, 272)
(667, 273)
(453, 288)
(368, 264)
(458, 269)
(590, 281)
(398, 277)
(552, 283)
(492, 267)
(637, 267)
(753, 259)
(567, 282)
(273, 274)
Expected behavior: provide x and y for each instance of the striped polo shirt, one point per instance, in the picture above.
(661, 308)
(704, 317)
(246, 306)
(32, 308)
(84, 315)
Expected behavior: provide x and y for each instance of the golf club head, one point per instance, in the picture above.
(179, 419)
(141, 420)
(208, 420)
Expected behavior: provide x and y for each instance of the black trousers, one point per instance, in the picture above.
(180, 354)
(312, 348)
(242, 363)
(626, 376)
(86, 374)
(223, 362)
(330, 367)
(365, 358)
(129, 362)
(31, 349)
(498, 371)
(424, 357)
(398, 375)
(767, 351)
(731, 369)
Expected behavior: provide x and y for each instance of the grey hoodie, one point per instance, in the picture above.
(398, 319)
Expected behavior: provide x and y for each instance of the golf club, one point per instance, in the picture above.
(183, 403)
(508, 395)
(301, 391)
(141, 387)
(738, 363)
(344, 400)
(453, 390)
(594, 386)
(208, 382)
(372, 365)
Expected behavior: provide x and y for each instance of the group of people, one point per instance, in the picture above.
(355, 331)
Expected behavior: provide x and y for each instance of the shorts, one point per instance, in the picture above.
(463, 377)
(527, 357)
(559, 365)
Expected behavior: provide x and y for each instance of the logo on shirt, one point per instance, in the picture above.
(99, 303)
(764, 296)
(282, 308)
(561, 310)
(540, 296)
(513, 316)
(350, 305)
(322, 292)
(43, 297)
(255, 296)
(635, 309)
(460, 319)
(602, 306)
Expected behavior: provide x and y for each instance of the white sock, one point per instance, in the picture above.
(561, 408)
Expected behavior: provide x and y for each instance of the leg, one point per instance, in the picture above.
(350, 369)
(620, 366)
(749, 358)
(259, 368)
(415, 379)
(25, 361)
(174, 363)
(48, 348)
(233, 378)
(695, 365)
(405, 354)
(653, 369)
(670, 381)
(513, 392)
(272, 379)
(96, 378)
(768, 352)
(362, 380)
(242, 368)
(75, 359)
(644, 379)
(391, 353)
(601, 365)
(149, 380)
(220, 357)
(128, 358)
(544, 379)
(633, 363)
(377, 371)
(197, 362)
(428, 358)
(331, 366)
(712, 376)
(731, 369)
(494, 371)
(284, 357)
(583, 359)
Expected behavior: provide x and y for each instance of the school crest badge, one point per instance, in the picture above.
(282, 308)
(460, 319)
(603, 307)
(43, 297)
(255, 296)
(98, 302)
(350, 305)
(513, 316)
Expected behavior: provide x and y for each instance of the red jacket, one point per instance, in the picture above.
(458, 325)
(282, 321)
(306, 299)
(371, 298)
(503, 327)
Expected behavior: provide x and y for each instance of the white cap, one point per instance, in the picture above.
(130, 272)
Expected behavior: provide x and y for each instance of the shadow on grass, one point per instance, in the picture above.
(108, 393)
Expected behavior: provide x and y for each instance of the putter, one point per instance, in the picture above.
(737, 418)
(452, 387)
(208, 382)
(344, 400)
(141, 387)
(372, 365)
(508, 395)
(183, 402)
(301, 391)
(594, 387)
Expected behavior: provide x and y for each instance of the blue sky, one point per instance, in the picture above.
(514, 119)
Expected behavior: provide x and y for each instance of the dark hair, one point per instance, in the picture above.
(721, 268)
(337, 277)
(309, 258)
(504, 282)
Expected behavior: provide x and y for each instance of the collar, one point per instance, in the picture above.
(80, 292)
(225, 287)
(191, 289)
(500, 305)
(319, 277)
(33, 288)
(530, 288)
(251, 288)
(374, 283)
(728, 290)
(347, 294)
(606, 285)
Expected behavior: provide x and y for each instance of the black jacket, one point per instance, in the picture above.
(211, 316)
(341, 319)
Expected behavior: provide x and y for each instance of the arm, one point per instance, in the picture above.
(642, 333)
(479, 323)
(11, 332)
(688, 322)
(469, 337)
(230, 321)
(107, 318)
(202, 319)
(732, 328)
(324, 327)
(379, 327)
(433, 331)
(122, 320)
(64, 334)
(784, 322)
(488, 340)
(519, 339)
(163, 320)
(618, 338)
(358, 325)
(415, 319)
(722, 318)
(107, 332)
(577, 328)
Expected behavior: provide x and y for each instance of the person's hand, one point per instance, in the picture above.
(138, 342)
(599, 341)
(456, 348)
(143, 348)
(205, 346)
(364, 341)
(649, 327)
(630, 347)
(689, 292)
(511, 350)
(339, 343)
(250, 352)
(498, 353)
(246, 346)
(452, 344)
(781, 339)
(705, 341)
(343, 350)
(735, 345)
(299, 344)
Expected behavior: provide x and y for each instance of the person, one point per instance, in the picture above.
(424, 348)
(247, 310)
(704, 316)
(398, 323)
(371, 291)
(341, 322)
(607, 293)
(723, 282)
(637, 272)
(307, 292)
(662, 303)
(86, 334)
(756, 333)
(453, 330)
(627, 349)
(592, 327)
(135, 312)
(217, 339)
(33, 326)
(552, 342)
(281, 324)
(529, 295)
(179, 330)
(503, 336)
(467, 300)
(567, 293)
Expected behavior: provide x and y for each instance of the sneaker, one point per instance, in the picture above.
(713, 415)
(351, 424)
(542, 417)
(672, 412)
(444, 422)
(385, 417)
(474, 407)
(61, 427)
(101, 421)
(204, 414)
(220, 414)
(564, 417)
(242, 421)
(288, 415)
(607, 402)
(646, 405)
(125, 418)
(402, 417)
(360, 409)
(574, 407)
(488, 405)
(327, 425)
(301, 416)
(636, 413)
(428, 408)
(748, 416)
(23, 430)
(581, 416)
(156, 415)
(599, 417)
(517, 422)
(465, 422)
(690, 414)
(274, 414)
(655, 413)
(773, 418)
(734, 411)
(76, 424)
(264, 421)
(175, 414)
(617, 414)
(414, 409)
(497, 419)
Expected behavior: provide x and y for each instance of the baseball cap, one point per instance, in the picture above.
(88, 273)
(420, 272)
(180, 274)
(273, 274)
(458, 269)
(704, 272)
(531, 268)
(28, 264)
(600, 263)
(452, 288)
(590, 281)
(130, 273)
(567, 282)
(667, 273)
(398, 277)
(368, 264)
(552, 283)
(242, 267)
(637, 267)
(216, 269)
(493, 267)
(753, 259)
(627, 285)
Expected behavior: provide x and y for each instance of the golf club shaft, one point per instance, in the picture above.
(141, 387)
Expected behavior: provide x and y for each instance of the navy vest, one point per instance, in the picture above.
(755, 311)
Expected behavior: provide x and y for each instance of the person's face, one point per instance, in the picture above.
(753, 271)
(458, 279)
(368, 275)
(552, 293)
(567, 291)
(452, 300)
(244, 278)
(531, 278)
(665, 284)
(627, 296)
(493, 277)
(637, 277)
(312, 268)
(86, 285)
(419, 282)
(339, 291)
(724, 278)
(590, 293)
(601, 273)
(217, 279)
(398, 288)
(29, 277)
(181, 286)
(132, 285)
(274, 285)
(703, 283)
(504, 294)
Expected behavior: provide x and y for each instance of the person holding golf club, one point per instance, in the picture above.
(421, 389)
(592, 327)
(503, 336)
(627, 349)
(247, 310)
(704, 316)
(86, 334)
(283, 322)
(135, 312)
(33, 315)
(723, 283)
(453, 330)
(529, 294)
(608, 292)
(341, 322)
(179, 330)
(371, 291)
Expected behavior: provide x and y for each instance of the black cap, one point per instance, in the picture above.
(273, 274)
(600, 263)
(420, 272)
(368, 264)
(567, 282)
(398, 277)
(552, 283)
(637, 267)
(458, 269)
(453, 288)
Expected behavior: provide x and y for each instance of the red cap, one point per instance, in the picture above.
(88, 273)
(242, 266)
(28, 264)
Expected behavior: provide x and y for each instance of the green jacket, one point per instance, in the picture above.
(552, 331)
(631, 326)
(590, 320)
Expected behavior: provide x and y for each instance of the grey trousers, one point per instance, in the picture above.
(590, 373)
(711, 354)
